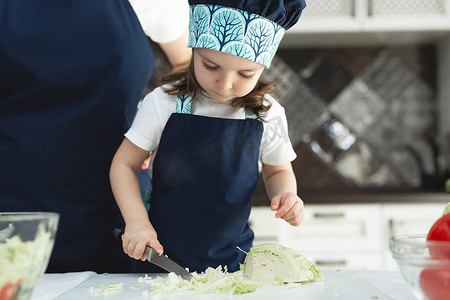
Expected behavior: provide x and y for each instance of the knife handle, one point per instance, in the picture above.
(118, 232)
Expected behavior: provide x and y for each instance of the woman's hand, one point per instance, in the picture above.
(137, 236)
(289, 207)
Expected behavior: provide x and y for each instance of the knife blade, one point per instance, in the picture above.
(160, 260)
(166, 263)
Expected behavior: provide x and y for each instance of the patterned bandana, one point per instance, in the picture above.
(234, 31)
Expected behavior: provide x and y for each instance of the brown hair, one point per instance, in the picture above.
(183, 82)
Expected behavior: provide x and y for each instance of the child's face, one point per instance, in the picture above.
(225, 76)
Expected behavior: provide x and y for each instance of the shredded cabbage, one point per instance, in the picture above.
(265, 265)
(278, 264)
(107, 289)
(212, 281)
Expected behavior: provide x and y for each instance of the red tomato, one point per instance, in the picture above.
(435, 283)
(440, 231)
(9, 291)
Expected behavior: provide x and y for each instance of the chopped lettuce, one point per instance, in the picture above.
(22, 261)
(446, 209)
(14, 259)
(278, 264)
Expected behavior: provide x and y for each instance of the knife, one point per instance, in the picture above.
(160, 260)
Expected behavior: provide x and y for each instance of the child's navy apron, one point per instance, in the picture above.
(204, 175)
(71, 74)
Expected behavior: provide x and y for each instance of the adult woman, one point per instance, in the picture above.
(72, 73)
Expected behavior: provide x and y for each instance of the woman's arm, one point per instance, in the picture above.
(177, 52)
(281, 186)
(125, 186)
(166, 22)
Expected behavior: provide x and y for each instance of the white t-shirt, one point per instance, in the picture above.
(157, 106)
(162, 20)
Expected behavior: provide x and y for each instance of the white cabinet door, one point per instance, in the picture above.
(407, 15)
(406, 218)
(264, 224)
(338, 227)
(347, 236)
(374, 16)
(329, 16)
(348, 259)
(340, 236)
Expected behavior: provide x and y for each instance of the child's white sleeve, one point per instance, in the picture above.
(149, 122)
(276, 147)
(163, 21)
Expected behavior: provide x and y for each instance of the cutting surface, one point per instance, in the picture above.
(337, 285)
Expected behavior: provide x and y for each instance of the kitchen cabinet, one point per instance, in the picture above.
(337, 236)
(374, 15)
(264, 224)
(346, 236)
(370, 21)
(404, 218)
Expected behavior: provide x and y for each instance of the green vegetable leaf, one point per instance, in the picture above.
(265, 265)
(212, 281)
(277, 264)
(446, 209)
(21, 261)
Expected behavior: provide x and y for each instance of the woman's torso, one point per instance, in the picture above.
(72, 74)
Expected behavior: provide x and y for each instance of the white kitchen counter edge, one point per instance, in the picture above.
(390, 282)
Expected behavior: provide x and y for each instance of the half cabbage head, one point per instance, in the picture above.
(277, 264)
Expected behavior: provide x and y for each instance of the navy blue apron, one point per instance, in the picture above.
(204, 174)
(71, 74)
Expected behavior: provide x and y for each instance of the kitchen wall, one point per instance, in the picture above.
(360, 118)
(443, 74)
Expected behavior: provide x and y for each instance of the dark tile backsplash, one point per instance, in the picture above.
(326, 69)
(359, 118)
(369, 118)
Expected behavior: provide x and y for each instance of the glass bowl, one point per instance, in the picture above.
(425, 266)
(26, 242)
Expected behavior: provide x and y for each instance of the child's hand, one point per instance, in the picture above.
(289, 207)
(137, 236)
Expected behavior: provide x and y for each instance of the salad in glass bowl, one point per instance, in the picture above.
(26, 242)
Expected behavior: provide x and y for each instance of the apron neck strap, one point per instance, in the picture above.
(184, 104)
(249, 114)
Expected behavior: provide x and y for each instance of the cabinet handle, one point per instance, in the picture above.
(342, 262)
(353, 8)
(391, 229)
(328, 215)
(370, 8)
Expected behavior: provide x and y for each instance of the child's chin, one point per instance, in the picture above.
(218, 97)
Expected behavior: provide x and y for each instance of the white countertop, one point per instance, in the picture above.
(387, 282)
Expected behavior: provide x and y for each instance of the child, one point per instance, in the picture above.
(207, 128)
